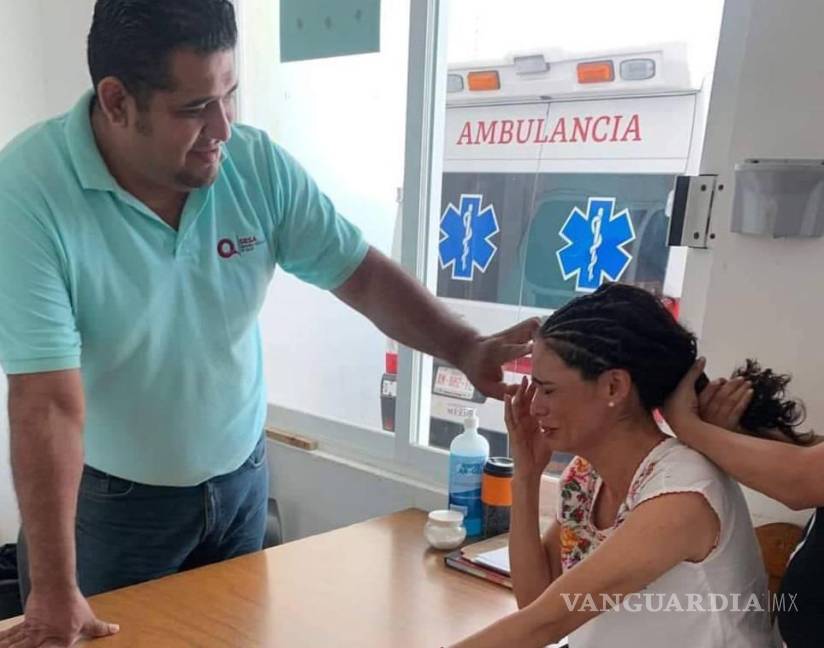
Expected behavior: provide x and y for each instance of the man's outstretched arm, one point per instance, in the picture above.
(405, 311)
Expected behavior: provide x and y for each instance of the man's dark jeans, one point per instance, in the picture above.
(129, 533)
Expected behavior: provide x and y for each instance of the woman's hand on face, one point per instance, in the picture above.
(531, 450)
(723, 402)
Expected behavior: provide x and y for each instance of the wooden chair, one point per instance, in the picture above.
(778, 540)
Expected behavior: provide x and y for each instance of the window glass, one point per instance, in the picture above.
(565, 126)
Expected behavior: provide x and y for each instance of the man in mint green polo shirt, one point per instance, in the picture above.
(138, 235)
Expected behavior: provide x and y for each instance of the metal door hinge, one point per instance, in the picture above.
(691, 212)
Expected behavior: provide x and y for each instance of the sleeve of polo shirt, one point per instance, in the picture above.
(37, 326)
(314, 242)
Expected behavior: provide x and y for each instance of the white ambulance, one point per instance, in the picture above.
(557, 176)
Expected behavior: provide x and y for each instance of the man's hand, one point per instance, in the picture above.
(405, 311)
(482, 360)
(56, 619)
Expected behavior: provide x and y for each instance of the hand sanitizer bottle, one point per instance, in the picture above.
(468, 453)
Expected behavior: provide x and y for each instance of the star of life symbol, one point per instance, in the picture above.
(466, 231)
(595, 240)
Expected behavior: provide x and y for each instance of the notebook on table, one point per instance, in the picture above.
(488, 559)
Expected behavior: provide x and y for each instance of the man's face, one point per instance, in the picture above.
(177, 140)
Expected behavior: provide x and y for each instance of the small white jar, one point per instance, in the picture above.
(444, 529)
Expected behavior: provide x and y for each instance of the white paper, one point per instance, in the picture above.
(497, 560)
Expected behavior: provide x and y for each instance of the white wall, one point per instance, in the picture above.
(62, 30)
(21, 71)
(344, 119)
(42, 65)
(22, 68)
(764, 297)
(318, 492)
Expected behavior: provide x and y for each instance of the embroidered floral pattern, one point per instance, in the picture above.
(579, 488)
(641, 480)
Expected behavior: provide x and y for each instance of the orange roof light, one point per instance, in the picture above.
(596, 72)
(486, 80)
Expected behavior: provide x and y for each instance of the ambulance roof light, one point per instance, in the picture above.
(534, 64)
(454, 83)
(638, 69)
(484, 80)
(596, 72)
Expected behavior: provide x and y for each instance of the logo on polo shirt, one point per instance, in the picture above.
(229, 247)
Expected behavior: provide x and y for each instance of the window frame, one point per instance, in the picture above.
(398, 452)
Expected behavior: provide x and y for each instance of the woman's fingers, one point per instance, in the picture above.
(723, 401)
(684, 395)
(518, 414)
(508, 414)
(530, 393)
(741, 406)
(693, 373)
(705, 398)
(517, 401)
(729, 394)
(729, 387)
(733, 401)
(525, 400)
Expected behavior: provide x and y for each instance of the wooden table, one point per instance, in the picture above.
(374, 584)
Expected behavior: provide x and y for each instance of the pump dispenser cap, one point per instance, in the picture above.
(472, 422)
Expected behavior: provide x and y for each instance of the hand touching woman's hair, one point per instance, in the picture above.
(624, 327)
(768, 412)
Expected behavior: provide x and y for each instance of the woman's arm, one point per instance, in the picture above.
(789, 473)
(683, 526)
(533, 563)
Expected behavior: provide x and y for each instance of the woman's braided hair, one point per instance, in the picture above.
(624, 327)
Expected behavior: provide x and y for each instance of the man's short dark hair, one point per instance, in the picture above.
(133, 39)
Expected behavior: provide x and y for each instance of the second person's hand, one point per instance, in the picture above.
(723, 402)
(681, 407)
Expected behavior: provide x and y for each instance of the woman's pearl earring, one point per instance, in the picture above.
(611, 404)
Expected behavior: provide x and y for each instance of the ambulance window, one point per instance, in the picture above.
(551, 186)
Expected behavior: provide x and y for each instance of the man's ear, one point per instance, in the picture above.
(115, 101)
